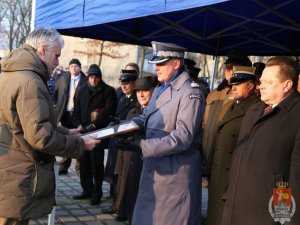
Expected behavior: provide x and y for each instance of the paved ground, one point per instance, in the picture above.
(79, 212)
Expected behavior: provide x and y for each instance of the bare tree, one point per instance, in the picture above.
(15, 21)
(98, 48)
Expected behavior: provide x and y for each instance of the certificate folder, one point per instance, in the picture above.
(122, 128)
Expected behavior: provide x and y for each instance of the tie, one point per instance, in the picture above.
(268, 109)
(70, 105)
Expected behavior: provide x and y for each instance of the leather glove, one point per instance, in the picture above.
(114, 121)
(130, 144)
(89, 128)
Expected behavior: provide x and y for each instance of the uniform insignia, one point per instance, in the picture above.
(194, 96)
(195, 85)
(282, 205)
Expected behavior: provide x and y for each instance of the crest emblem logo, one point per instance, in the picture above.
(282, 205)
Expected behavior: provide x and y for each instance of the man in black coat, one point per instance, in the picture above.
(95, 103)
(266, 161)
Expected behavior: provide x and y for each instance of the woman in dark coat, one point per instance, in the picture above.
(129, 164)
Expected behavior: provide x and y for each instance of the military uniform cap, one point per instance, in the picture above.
(242, 74)
(162, 52)
(237, 58)
(128, 75)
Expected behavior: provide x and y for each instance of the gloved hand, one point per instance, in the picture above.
(114, 121)
(131, 143)
(89, 128)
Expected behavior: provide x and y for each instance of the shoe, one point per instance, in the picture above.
(96, 198)
(82, 196)
(121, 218)
(109, 211)
(63, 172)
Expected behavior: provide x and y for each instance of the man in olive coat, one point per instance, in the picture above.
(216, 107)
(267, 155)
(29, 135)
(243, 91)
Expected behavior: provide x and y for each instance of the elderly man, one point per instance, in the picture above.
(95, 104)
(243, 91)
(29, 136)
(267, 156)
(170, 185)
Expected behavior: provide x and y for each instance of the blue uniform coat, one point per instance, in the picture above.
(170, 186)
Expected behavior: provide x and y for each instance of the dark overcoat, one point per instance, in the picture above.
(268, 149)
(216, 107)
(128, 168)
(62, 93)
(124, 106)
(226, 139)
(102, 101)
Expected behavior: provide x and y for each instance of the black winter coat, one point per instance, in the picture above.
(100, 103)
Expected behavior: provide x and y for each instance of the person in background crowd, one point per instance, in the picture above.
(170, 185)
(30, 138)
(258, 71)
(64, 93)
(243, 91)
(95, 103)
(130, 66)
(215, 102)
(194, 72)
(129, 164)
(267, 152)
(126, 102)
(0, 66)
(57, 73)
(298, 87)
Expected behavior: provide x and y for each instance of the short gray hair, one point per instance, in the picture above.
(44, 36)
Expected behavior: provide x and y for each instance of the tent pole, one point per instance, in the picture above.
(215, 70)
(33, 14)
(216, 63)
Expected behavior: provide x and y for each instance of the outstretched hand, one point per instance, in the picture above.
(90, 142)
(76, 131)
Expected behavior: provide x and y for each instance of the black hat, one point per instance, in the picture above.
(144, 83)
(242, 74)
(162, 52)
(75, 61)
(94, 69)
(260, 66)
(128, 75)
(189, 63)
(237, 58)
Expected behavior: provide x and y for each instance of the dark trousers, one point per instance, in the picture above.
(92, 171)
(9, 221)
(66, 121)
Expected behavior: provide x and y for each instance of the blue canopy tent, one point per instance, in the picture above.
(257, 27)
